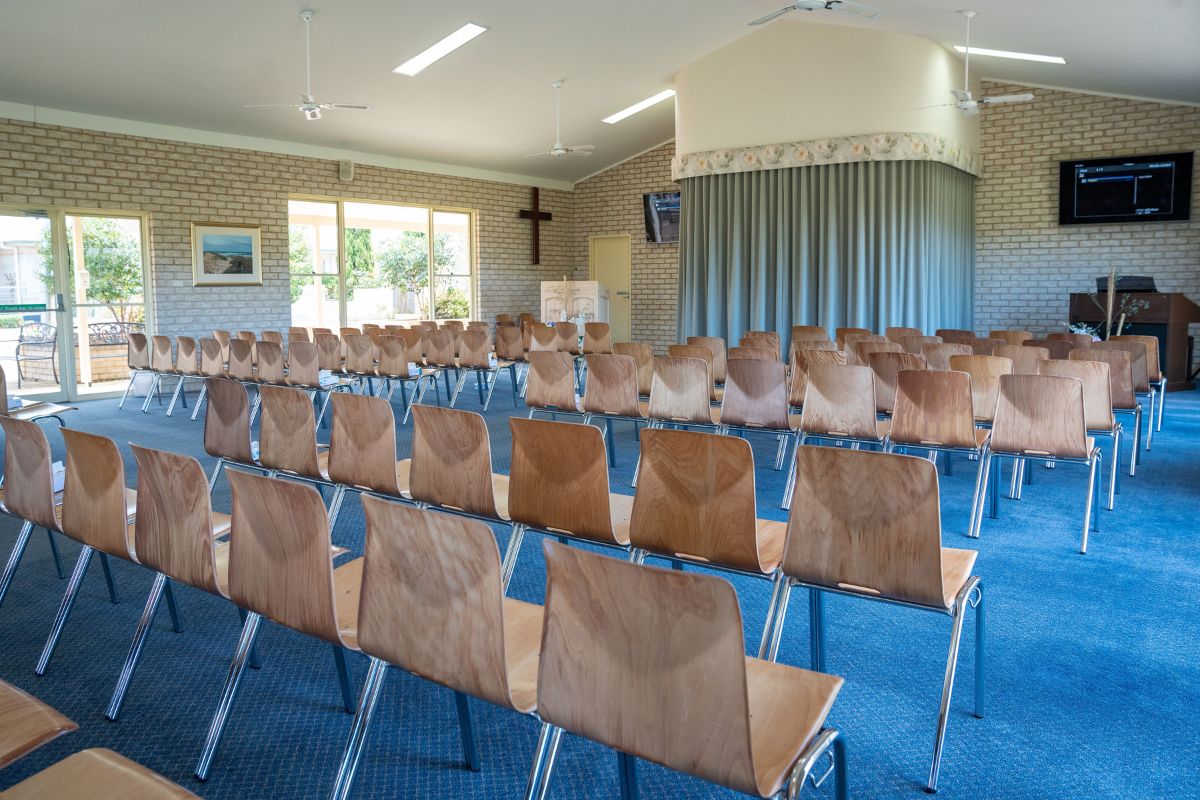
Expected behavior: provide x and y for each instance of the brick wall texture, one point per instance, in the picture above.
(1026, 264)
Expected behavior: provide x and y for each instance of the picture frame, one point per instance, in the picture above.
(226, 254)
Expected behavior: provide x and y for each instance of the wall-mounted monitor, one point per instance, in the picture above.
(662, 216)
(1154, 188)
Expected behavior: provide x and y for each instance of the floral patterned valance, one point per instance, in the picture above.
(835, 150)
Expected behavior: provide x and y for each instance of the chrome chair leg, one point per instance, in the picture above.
(977, 496)
(343, 671)
(490, 388)
(789, 486)
(509, 564)
(212, 482)
(335, 506)
(986, 466)
(108, 578)
(1162, 401)
(776, 613)
(236, 668)
(816, 629)
(14, 559)
(175, 394)
(462, 704)
(948, 685)
(128, 387)
(979, 650)
(58, 565)
(544, 756)
(64, 609)
(780, 450)
(199, 401)
(516, 380)
(135, 649)
(627, 776)
(1150, 418)
(1092, 499)
(372, 687)
(1114, 470)
(458, 386)
(150, 394)
(172, 607)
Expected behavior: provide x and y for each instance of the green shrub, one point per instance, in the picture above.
(10, 321)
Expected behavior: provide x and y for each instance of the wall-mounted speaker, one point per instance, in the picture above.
(346, 170)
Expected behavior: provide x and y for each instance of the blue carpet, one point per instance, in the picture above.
(1092, 688)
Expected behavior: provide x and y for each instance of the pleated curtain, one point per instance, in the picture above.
(868, 244)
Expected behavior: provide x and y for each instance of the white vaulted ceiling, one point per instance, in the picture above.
(195, 65)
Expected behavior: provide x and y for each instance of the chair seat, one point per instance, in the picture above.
(34, 411)
(27, 723)
(96, 774)
(347, 585)
(956, 571)
(621, 508)
(787, 708)
(770, 536)
(499, 487)
(1091, 446)
(522, 647)
(981, 436)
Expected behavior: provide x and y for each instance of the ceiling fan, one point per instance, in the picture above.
(559, 149)
(841, 6)
(962, 97)
(308, 104)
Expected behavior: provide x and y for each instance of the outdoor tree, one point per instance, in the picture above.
(360, 266)
(299, 260)
(404, 265)
(114, 265)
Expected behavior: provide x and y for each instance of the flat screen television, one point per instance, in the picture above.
(662, 216)
(1153, 188)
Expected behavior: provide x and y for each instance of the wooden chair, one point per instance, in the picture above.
(433, 604)
(898, 335)
(770, 340)
(985, 372)
(955, 335)
(212, 365)
(510, 349)
(597, 338)
(617, 680)
(175, 535)
(26, 724)
(859, 352)
(329, 352)
(1041, 418)
(475, 356)
(867, 525)
(809, 343)
(1025, 360)
(938, 356)
(752, 354)
(1121, 388)
(362, 353)
(1057, 348)
(162, 363)
(316, 331)
(187, 367)
(643, 356)
(287, 438)
(756, 400)
(30, 411)
(222, 337)
(705, 354)
(1139, 366)
(566, 338)
(275, 337)
(916, 344)
(247, 336)
(227, 427)
(801, 359)
(807, 331)
(679, 394)
(1012, 338)
(1154, 375)
(241, 361)
(440, 346)
(298, 334)
(1080, 341)
(137, 359)
(1097, 407)
(715, 345)
(558, 485)
(987, 347)
(840, 334)
(398, 367)
(281, 568)
(550, 385)
(504, 319)
(611, 393)
(362, 450)
(542, 337)
(28, 492)
(887, 366)
(95, 513)
(97, 774)
(345, 331)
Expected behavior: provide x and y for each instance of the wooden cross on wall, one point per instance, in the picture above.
(536, 216)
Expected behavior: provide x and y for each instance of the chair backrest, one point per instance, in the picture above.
(298, 334)
(616, 679)
(453, 325)
(701, 352)
(287, 438)
(868, 523)
(1057, 348)
(703, 511)
(566, 335)
(840, 401)
(1120, 373)
(1040, 415)
(802, 358)
(810, 343)
(362, 443)
(551, 381)
(597, 338)
(360, 354)
(756, 395)
(304, 364)
(474, 347)
(508, 343)
(1011, 337)
(280, 557)
(1025, 360)
(374, 333)
(938, 355)
(137, 351)
(94, 510)
(393, 358)
(28, 474)
(898, 334)
(933, 408)
(1097, 392)
(227, 421)
(860, 351)
(770, 339)
(241, 360)
(452, 460)
(222, 337)
(840, 334)
(273, 336)
(852, 339)
(644, 357)
(329, 351)
(212, 358)
(985, 372)
(315, 331)
(187, 359)
(809, 331)
(612, 385)
(1138, 355)
(558, 480)
(956, 335)
(542, 337)
(987, 347)
(343, 332)
(173, 529)
(916, 344)
(504, 318)
(412, 341)
(887, 366)
(752, 354)
(247, 336)
(439, 348)
(432, 601)
(716, 346)
(160, 354)
(1153, 365)
(679, 390)
(270, 362)
(1081, 341)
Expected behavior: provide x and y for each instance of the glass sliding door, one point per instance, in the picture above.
(313, 256)
(29, 319)
(452, 279)
(387, 263)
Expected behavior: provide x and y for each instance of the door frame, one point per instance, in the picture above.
(592, 269)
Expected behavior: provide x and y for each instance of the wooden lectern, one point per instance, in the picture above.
(1167, 316)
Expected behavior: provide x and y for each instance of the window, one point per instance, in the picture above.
(388, 269)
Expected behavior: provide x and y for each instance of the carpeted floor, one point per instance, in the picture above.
(1093, 676)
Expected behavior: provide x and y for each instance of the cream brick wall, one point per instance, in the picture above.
(1026, 264)
(178, 183)
(611, 203)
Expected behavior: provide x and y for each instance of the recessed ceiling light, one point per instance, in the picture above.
(440, 50)
(983, 51)
(642, 106)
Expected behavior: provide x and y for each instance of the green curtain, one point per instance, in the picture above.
(869, 244)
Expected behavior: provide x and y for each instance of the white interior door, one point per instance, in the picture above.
(610, 263)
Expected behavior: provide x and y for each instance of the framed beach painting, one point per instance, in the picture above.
(226, 255)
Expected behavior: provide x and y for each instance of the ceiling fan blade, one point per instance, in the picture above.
(575, 151)
(1024, 97)
(772, 15)
(351, 106)
(939, 105)
(857, 9)
(582, 147)
(542, 153)
(273, 105)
